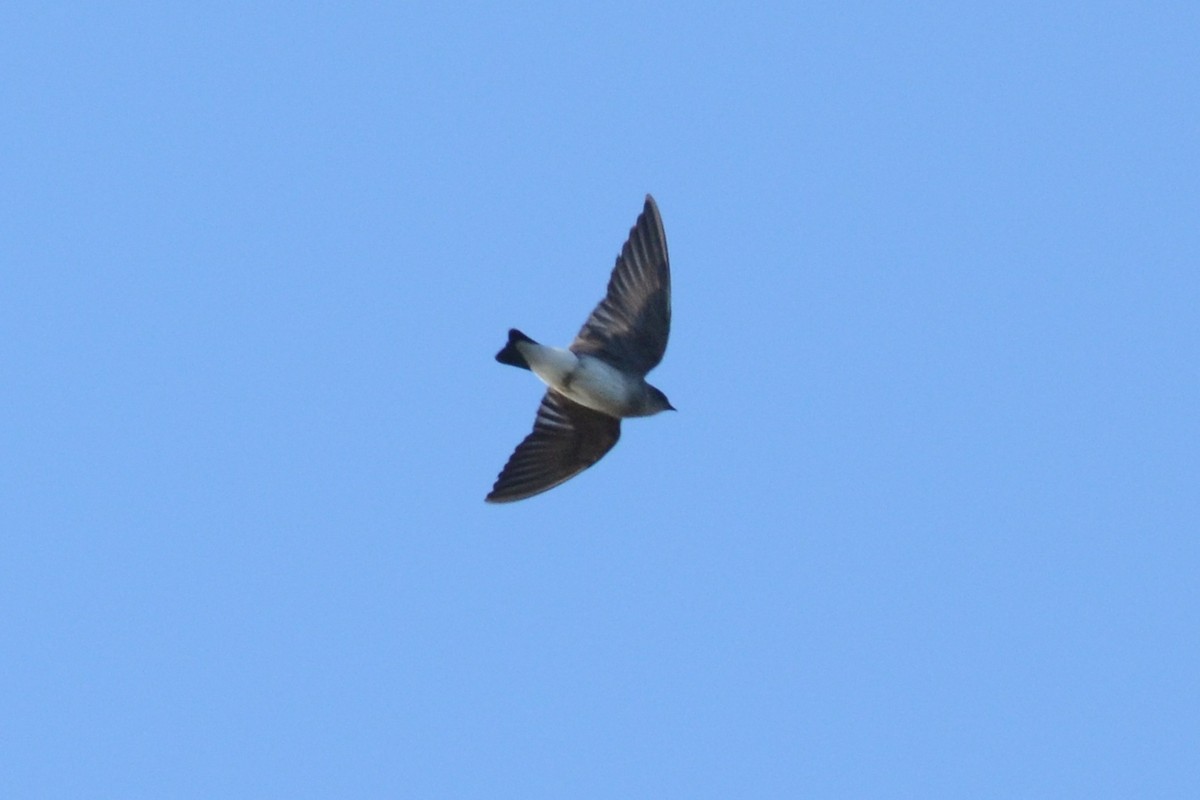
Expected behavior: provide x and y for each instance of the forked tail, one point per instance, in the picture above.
(510, 354)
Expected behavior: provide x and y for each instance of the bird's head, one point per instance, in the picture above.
(656, 401)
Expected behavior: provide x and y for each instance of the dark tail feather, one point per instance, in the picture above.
(510, 354)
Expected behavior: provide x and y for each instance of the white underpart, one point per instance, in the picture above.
(586, 380)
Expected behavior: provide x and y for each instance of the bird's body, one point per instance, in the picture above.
(588, 380)
(600, 378)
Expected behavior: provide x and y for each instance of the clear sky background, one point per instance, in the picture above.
(926, 524)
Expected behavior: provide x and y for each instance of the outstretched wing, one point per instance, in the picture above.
(567, 438)
(629, 327)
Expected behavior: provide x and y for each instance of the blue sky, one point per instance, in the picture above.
(925, 524)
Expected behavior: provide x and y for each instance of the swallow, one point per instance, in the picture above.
(601, 378)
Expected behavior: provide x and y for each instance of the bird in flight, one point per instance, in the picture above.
(601, 377)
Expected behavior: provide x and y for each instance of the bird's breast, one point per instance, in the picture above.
(599, 386)
(584, 378)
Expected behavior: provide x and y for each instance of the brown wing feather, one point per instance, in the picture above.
(629, 327)
(567, 438)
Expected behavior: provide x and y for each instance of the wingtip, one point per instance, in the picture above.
(650, 212)
(494, 499)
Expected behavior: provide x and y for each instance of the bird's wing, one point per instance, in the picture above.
(567, 438)
(629, 327)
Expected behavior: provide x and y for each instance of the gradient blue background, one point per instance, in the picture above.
(925, 525)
